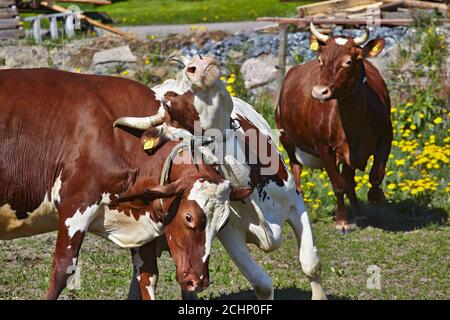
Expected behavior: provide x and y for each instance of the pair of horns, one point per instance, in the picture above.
(323, 37)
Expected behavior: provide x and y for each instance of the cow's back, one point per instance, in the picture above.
(52, 123)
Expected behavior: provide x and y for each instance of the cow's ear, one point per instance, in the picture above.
(240, 193)
(373, 48)
(165, 191)
(315, 44)
(149, 194)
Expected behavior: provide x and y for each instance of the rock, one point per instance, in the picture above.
(386, 58)
(259, 71)
(115, 55)
(235, 55)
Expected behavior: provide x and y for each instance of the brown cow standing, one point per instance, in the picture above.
(336, 110)
(64, 167)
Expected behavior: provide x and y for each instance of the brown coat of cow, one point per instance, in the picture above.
(351, 123)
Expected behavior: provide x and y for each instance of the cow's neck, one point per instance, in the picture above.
(214, 106)
(353, 111)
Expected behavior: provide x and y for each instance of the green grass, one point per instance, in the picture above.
(143, 12)
(414, 265)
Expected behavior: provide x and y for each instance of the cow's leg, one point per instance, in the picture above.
(308, 255)
(235, 244)
(376, 195)
(296, 167)
(349, 176)
(145, 273)
(65, 259)
(338, 182)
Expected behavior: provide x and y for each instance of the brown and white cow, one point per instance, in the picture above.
(64, 167)
(336, 110)
(198, 100)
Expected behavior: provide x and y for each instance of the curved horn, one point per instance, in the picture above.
(360, 40)
(178, 59)
(319, 36)
(142, 123)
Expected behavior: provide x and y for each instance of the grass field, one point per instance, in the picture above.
(414, 265)
(143, 12)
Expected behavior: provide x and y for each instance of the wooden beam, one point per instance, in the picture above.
(9, 23)
(303, 22)
(89, 20)
(12, 33)
(8, 12)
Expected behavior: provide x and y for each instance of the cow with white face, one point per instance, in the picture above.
(65, 168)
(198, 101)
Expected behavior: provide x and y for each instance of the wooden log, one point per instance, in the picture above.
(9, 23)
(12, 33)
(7, 3)
(303, 22)
(8, 12)
(89, 20)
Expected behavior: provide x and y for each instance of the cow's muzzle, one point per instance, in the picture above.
(194, 283)
(321, 93)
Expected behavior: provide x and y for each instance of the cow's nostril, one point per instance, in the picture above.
(325, 91)
(191, 69)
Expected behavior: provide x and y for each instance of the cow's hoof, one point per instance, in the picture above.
(345, 228)
(362, 222)
(376, 196)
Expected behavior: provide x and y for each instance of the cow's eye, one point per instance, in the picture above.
(188, 218)
(347, 63)
(191, 69)
(320, 61)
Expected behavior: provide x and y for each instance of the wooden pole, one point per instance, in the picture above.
(282, 50)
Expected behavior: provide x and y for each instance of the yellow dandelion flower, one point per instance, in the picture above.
(438, 120)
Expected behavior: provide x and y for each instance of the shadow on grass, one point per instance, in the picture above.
(404, 215)
(290, 293)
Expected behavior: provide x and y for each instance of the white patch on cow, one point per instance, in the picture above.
(80, 221)
(151, 288)
(341, 41)
(213, 199)
(307, 159)
(43, 219)
(124, 230)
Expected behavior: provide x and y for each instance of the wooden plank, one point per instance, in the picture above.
(12, 33)
(391, 6)
(330, 6)
(8, 12)
(362, 7)
(303, 22)
(9, 23)
(321, 7)
(91, 21)
(7, 3)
